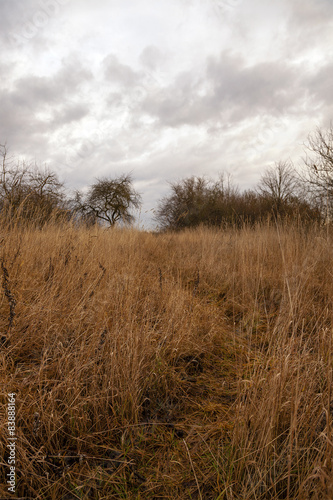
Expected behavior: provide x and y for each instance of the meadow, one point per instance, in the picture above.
(190, 365)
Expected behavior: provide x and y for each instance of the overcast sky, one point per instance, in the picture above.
(164, 89)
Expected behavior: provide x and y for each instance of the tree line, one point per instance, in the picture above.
(32, 194)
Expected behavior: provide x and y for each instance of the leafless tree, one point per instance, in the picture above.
(108, 201)
(182, 208)
(318, 164)
(29, 191)
(45, 188)
(11, 180)
(279, 184)
(196, 200)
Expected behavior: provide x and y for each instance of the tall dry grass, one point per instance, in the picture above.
(189, 365)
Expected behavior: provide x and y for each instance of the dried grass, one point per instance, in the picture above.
(122, 346)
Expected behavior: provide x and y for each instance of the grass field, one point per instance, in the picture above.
(195, 365)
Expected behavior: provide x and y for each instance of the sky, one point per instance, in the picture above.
(163, 89)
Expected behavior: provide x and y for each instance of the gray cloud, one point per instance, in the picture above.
(38, 105)
(33, 90)
(310, 18)
(227, 88)
(308, 29)
(115, 71)
(27, 22)
(320, 84)
(12, 16)
(69, 114)
(151, 57)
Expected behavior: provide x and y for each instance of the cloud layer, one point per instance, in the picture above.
(165, 89)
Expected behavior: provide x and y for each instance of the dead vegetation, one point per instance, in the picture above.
(194, 365)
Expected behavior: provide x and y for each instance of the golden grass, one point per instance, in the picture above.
(191, 365)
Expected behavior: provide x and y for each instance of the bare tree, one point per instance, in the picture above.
(194, 201)
(108, 201)
(28, 191)
(182, 208)
(199, 200)
(45, 189)
(11, 180)
(319, 168)
(279, 185)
